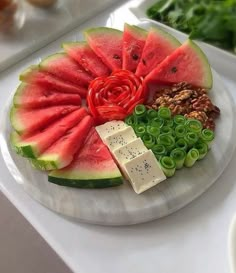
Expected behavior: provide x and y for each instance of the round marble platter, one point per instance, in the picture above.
(121, 205)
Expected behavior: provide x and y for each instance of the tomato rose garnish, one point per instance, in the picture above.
(114, 97)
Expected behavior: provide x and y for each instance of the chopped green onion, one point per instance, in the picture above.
(159, 150)
(202, 149)
(179, 120)
(140, 130)
(168, 122)
(152, 130)
(151, 114)
(140, 110)
(207, 136)
(167, 130)
(191, 157)
(194, 125)
(182, 144)
(130, 120)
(178, 155)
(148, 140)
(168, 165)
(191, 138)
(157, 122)
(180, 131)
(164, 113)
(167, 140)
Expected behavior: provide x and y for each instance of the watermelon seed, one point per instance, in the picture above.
(143, 61)
(174, 69)
(135, 57)
(116, 57)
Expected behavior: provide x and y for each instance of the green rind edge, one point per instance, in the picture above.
(46, 164)
(205, 63)
(137, 30)
(74, 44)
(86, 184)
(43, 64)
(91, 31)
(167, 35)
(24, 76)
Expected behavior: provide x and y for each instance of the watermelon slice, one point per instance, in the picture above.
(36, 144)
(107, 44)
(187, 63)
(65, 68)
(35, 96)
(92, 167)
(61, 153)
(84, 55)
(34, 76)
(158, 46)
(26, 121)
(134, 39)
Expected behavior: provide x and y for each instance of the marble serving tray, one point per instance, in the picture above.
(121, 205)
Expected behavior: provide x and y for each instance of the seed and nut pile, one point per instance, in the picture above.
(184, 99)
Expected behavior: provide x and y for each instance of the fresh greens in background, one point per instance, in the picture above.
(207, 20)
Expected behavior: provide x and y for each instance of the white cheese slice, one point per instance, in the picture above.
(144, 172)
(129, 151)
(110, 127)
(120, 138)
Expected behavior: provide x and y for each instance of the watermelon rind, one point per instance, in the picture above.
(205, 64)
(107, 44)
(49, 162)
(86, 183)
(25, 74)
(25, 151)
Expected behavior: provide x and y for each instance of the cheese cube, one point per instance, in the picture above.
(144, 172)
(129, 151)
(110, 127)
(120, 138)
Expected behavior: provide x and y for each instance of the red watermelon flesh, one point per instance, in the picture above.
(65, 68)
(35, 96)
(187, 63)
(62, 152)
(107, 44)
(92, 167)
(34, 76)
(26, 121)
(84, 55)
(134, 39)
(158, 46)
(33, 146)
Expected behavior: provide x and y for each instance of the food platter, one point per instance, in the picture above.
(120, 205)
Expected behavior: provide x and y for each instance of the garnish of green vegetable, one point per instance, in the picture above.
(153, 130)
(194, 125)
(202, 149)
(179, 156)
(179, 120)
(164, 113)
(140, 130)
(159, 150)
(166, 130)
(158, 122)
(210, 21)
(207, 136)
(151, 114)
(130, 120)
(140, 110)
(182, 144)
(180, 131)
(167, 140)
(148, 140)
(191, 157)
(191, 138)
(168, 165)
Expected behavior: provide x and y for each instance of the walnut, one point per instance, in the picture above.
(201, 116)
(183, 95)
(202, 103)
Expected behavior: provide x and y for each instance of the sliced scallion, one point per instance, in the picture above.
(168, 165)
(164, 113)
(191, 157)
(182, 144)
(179, 120)
(194, 125)
(178, 155)
(153, 130)
(202, 149)
(151, 114)
(180, 131)
(148, 140)
(159, 150)
(140, 130)
(207, 136)
(191, 138)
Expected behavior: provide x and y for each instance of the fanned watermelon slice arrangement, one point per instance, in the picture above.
(100, 81)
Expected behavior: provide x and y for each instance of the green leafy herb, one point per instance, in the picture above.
(207, 20)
